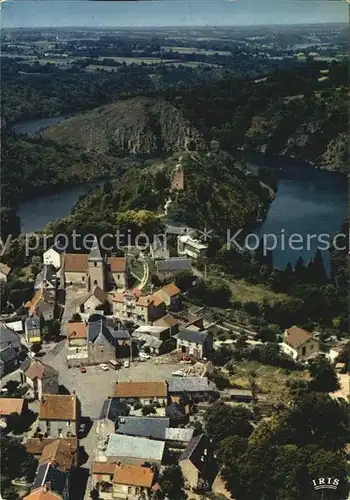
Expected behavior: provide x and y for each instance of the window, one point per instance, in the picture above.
(83, 278)
(68, 423)
(129, 490)
(95, 264)
(303, 351)
(311, 347)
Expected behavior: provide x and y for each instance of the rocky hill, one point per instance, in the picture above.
(142, 126)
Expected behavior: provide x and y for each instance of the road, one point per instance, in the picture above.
(144, 280)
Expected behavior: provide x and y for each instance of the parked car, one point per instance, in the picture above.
(178, 373)
(126, 364)
(114, 364)
(104, 367)
(82, 369)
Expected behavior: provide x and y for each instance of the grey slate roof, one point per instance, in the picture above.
(101, 333)
(192, 336)
(112, 409)
(173, 264)
(177, 230)
(95, 253)
(48, 273)
(9, 337)
(122, 334)
(123, 446)
(49, 473)
(8, 354)
(148, 340)
(33, 323)
(190, 384)
(175, 411)
(148, 427)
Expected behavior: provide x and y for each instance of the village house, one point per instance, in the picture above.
(154, 339)
(8, 406)
(193, 343)
(197, 462)
(32, 329)
(173, 265)
(53, 257)
(36, 445)
(337, 350)
(299, 344)
(131, 482)
(193, 389)
(44, 493)
(102, 478)
(189, 246)
(40, 378)
(168, 321)
(4, 272)
(118, 273)
(9, 337)
(159, 332)
(158, 249)
(9, 360)
(85, 270)
(112, 409)
(144, 393)
(132, 306)
(77, 346)
(46, 278)
(94, 301)
(102, 342)
(171, 296)
(59, 415)
(62, 452)
(43, 304)
(134, 450)
(50, 479)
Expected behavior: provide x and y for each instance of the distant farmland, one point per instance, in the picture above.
(194, 50)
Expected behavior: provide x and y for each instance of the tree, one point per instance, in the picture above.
(324, 376)
(76, 318)
(12, 387)
(20, 423)
(172, 482)
(185, 279)
(15, 462)
(222, 421)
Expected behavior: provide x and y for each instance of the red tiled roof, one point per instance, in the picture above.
(39, 370)
(171, 289)
(77, 330)
(141, 389)
(76, 262)
(117, 264)
(11, 405)
(58, 407)
(297, 336)
(133, 475)
(59, 452)
(42, 494)
(35, 446)
(103, 468)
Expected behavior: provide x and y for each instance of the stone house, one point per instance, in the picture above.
(43, 304)
(102, 342)
(9, 337)
(77, 346)
(40, 377)
(299, 344)
(191, 389)
(168, 321)
(46, 278)
(32, 329)
(85, 270)
(102, 478)
(96, 299)
(144, 393)
(50, 479)
(118, 273)
(171, 295)
(62, 452)
(132, 306)
(197, 462)
(59, 415)
(193, 343)
(132, 481)
(53, 257)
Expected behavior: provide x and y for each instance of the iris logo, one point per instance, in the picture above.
(325, 483)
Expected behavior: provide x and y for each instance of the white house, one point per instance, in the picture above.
(53, 257)
(191, 247)
(299, 344)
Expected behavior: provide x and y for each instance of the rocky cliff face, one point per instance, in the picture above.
(138, 126)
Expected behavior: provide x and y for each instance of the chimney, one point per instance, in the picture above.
(73, 392)
(48, 486)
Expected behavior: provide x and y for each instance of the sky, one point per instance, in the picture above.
(58, 13)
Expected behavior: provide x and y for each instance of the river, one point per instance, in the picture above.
(34, 127)
(308, 201)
